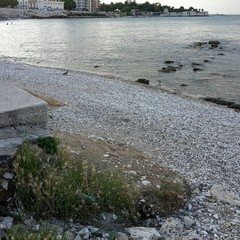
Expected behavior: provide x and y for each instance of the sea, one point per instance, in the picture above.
(133, 48)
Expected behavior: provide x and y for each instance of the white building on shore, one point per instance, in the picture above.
(41, 4)
(166, 13)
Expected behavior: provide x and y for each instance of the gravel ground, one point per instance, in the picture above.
(199, 140)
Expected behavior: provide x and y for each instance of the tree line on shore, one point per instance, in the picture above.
(8, 3)
(148, 7)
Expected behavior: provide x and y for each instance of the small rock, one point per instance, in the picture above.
(172, 228)
(83, 231)
(134, 173)
(208, 194)
(77, 237)
(143, 81)
(143, 178)
(188, 222)
(197, 69)
(196, 64)
(189, 207)
(183, 85)
(114, 217)
(158, 186)
(206, 61)
(92, 229)
(223, 195)
(221, 54)
(103, 216)
(146, 182)
(143, 233)
(122, 236)
(7, 222)
(8, 175)
(169, 62)
(5, 184)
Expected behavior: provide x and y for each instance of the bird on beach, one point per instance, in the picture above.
(65, 73)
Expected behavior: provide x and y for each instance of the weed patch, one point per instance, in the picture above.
(43, 231)
(65, 187)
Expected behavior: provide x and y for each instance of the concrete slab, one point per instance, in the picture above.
(18, 107)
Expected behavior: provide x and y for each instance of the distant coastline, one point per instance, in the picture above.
(10, 13)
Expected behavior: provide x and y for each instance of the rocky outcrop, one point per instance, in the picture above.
(223, 102)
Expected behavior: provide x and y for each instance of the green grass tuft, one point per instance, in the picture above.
(49, 144)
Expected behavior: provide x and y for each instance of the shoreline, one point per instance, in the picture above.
(208, 100)
(199, 140)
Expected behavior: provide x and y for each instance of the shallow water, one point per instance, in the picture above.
(134, 48)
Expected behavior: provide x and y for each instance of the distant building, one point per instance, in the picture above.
(41, 4)
(23, 4)
(166, 13)
(50, 5)
(81, 4)
(89, 5)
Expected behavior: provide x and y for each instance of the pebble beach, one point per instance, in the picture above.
(199, 140)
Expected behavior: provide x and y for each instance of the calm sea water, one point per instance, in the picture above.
(134, 48)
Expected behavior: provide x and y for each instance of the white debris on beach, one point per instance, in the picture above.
(199, 140)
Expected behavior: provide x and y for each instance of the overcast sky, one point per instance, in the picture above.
(213, 6)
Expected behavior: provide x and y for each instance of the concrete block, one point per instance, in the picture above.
(17, 107)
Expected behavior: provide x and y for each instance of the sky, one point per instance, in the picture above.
(212, 6)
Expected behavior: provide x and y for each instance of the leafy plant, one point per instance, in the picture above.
(49, 144)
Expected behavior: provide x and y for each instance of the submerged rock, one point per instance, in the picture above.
(196, 64)
(197, 69)
(143, 81)
(169, 69)
(223, 102)
(169, 62)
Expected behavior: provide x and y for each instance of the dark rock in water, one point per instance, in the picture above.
(206, 61)
(168, 62)
(213, 46)
(197, 69)
(143, 81)
(165, 70)
(169, 69)
(96, 66)
(221, 54)
(223, 102)
(172, 68)
(214, 42)
(183, 85)
(199, 44)
(196, 64)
